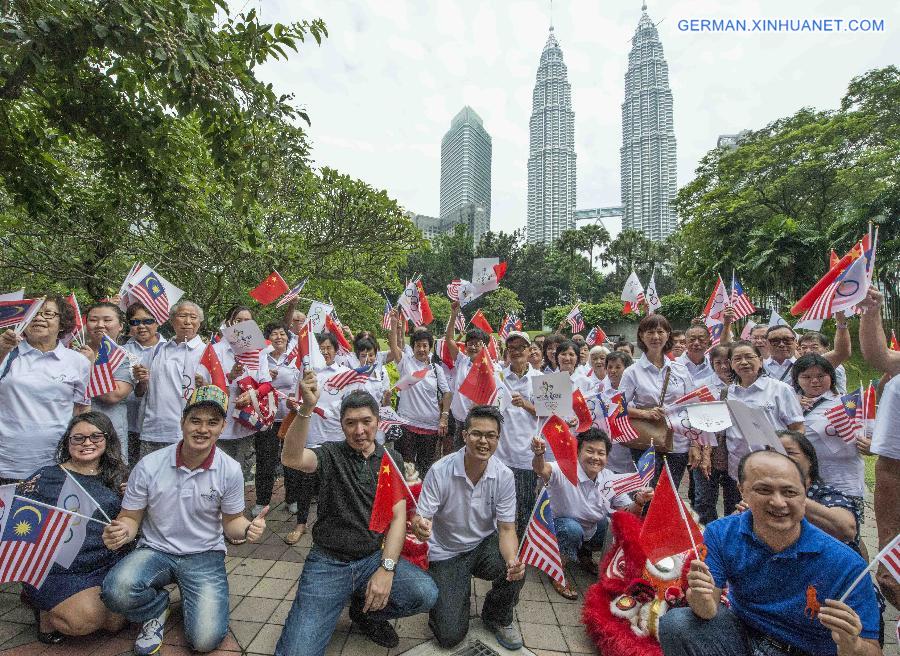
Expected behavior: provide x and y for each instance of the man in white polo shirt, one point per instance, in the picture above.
(185, 499)
(467, 512)
(519, 425)
(167, 381)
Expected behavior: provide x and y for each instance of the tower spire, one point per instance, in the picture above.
(551, 15)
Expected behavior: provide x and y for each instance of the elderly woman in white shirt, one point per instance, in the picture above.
(840, 463)
(754, 387)
(42, 385)
(653, 377)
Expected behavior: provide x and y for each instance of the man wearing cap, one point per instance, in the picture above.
(519, 424)
(185, 499)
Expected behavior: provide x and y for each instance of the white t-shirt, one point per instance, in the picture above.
(183, 508)
(886, 438)
(840, 463)
(776, 399)
(172, 368)
(419, 403)
(589, 503)
(285, 381)
(519, 425)
(38, 395)
(463, 514)
(642, 384)
(697, 371)
(135, 404)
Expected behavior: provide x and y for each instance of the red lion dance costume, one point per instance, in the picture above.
(622, 610)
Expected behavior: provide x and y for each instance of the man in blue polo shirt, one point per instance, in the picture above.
(778, 568)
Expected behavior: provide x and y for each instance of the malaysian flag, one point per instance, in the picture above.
(292, 293)
(250, 359)
(843, 415)
(620, 428)
(30, 540)
(739, 301)
(890, 557)
(715, 333)
(109, 357)
(575, 319)
(595, 337)
(540, 548)
(388, 418)
(13, 312)
(351, 377)
(646, 468)
(152, 295)
(386, 317)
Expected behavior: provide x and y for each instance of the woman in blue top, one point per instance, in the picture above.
(68, 603)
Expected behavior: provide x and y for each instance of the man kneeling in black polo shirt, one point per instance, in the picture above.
(347, 560)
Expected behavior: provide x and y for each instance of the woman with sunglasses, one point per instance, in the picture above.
(105, 319)
(42, 384)
(143, 337)
(89, 461)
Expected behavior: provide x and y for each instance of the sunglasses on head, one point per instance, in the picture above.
(141, 322)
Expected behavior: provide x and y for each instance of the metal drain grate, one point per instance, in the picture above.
(476, 648)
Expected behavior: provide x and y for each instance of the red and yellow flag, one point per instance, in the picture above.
(391, 489)
(270, 288)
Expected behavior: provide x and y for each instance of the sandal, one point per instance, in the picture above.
(294, 536)
(567, 591)
(587, 563)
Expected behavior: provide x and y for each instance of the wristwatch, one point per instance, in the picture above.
(389, 565)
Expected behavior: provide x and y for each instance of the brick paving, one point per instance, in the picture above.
(263, 581)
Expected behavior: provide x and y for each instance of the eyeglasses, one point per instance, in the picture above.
(478, 435)
(516, 349)
(95, 438)
(141, 322)
(48, 314)
(775, 341)
(744, 358)
(809, 377)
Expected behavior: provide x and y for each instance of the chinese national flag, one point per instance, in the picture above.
(564, 445)
(833, 259)
(895, 345)
(665, 529)
(628, 308)
(479, 384)
(270, 289)
(585, 418)
(500, 270)
(210, 361)
(479, 321)
(424, 307)
(332, 327)
(391, 489)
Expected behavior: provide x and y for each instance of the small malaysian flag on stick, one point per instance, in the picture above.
(109, 357)
(646, 468)
(386, 317)
(843, 416)
(250, 359)
(889, 557)
(575, 319)
(540, 547)
(30, 541)
(150, 291)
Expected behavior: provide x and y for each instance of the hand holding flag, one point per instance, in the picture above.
(564, 446)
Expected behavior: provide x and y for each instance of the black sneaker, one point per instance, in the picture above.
(378, 631)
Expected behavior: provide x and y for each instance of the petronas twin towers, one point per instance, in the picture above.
(648, 176)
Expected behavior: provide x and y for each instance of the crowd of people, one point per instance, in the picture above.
(166, 461)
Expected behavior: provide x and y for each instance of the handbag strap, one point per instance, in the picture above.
(815, 405)
(662, 396)
(10, 358)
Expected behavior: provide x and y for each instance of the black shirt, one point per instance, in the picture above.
(347, 483)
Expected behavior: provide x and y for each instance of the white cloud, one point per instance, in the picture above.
(383, 87)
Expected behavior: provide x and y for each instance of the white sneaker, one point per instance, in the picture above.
(256, 510)
(292, 508)
(150, 638)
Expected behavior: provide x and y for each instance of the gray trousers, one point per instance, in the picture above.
(449, 618)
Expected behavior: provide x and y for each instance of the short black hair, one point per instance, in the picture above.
(808, 450)
(423, 334)
(272, 327)
(619, 356)
(809, 361)
(109, 306)
(742, 465)
(814, 337)
(484, 412)
(134, 308)
(364, 344)
(678, 333)
(772, 329)
(359, 399)
(477, 333)
(625, 343)
(234, 310)
(594, 434)
(566, 345)
(718, 351)
(327, 337)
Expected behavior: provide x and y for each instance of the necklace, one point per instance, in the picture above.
(90, 472)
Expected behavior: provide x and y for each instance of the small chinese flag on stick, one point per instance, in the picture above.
(270, 289)
(391, 489)
(564, 445)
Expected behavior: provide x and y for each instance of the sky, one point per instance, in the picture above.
(382, 89)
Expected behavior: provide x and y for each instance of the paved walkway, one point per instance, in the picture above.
(263, 581)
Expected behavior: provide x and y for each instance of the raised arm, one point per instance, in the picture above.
(395, 350)
(872, 340)
(294, 453)
(450, 333)
(540, 466)
(841, 351)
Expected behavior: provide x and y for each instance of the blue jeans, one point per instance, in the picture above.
(134, 588)
(681, 633)
(327, 584)
(570, 535)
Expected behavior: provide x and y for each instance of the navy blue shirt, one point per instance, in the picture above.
(767, 590)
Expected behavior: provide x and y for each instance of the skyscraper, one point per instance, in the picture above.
(649, 181)
(551, 155)
(466, 166)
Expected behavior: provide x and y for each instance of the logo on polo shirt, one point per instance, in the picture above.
(212, 496)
